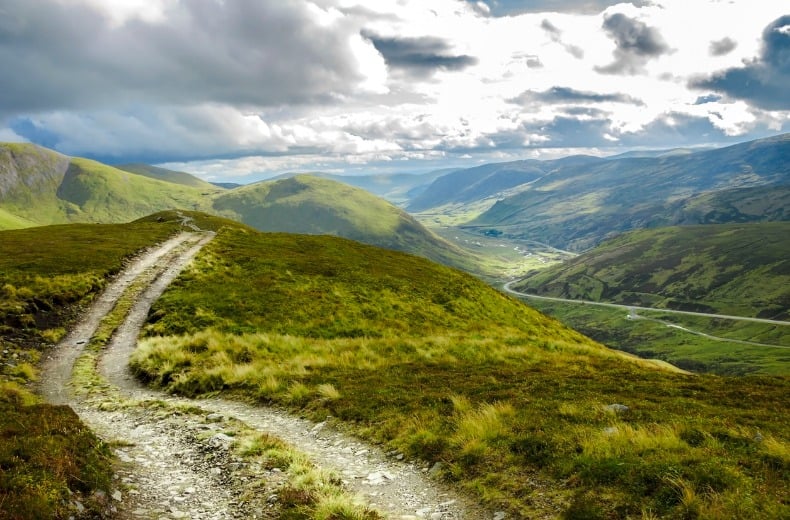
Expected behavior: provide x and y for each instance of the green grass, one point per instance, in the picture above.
(734, 269)
(431, 362)
(42, 187)
(48, 457)
(649, 339)
(49, 460)
(313, 205)
(741, 269)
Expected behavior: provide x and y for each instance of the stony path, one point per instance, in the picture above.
(179, 465)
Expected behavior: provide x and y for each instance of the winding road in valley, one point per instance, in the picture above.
(632, 313)
(175, 453)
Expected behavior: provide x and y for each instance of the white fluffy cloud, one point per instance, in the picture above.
(259, 87)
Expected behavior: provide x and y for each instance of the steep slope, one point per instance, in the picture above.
(29, 179)
(741, 269)
(39, 187)
(162, 174)
(481, 182)
(577, 206)
(311, 205)
(527, 416)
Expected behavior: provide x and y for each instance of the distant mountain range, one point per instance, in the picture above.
(573, 203)
(39, 187)
(576, 202)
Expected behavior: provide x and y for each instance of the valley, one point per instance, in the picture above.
(289, 359)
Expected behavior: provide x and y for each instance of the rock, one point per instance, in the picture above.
(116, 495)
(220, 440)
(379, 477)
(617, 408)
(499, 515)
(215, 417)
(435, 469)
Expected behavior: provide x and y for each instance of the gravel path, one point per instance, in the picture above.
(178, 464)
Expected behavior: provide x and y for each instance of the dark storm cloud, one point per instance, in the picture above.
(556, 36)
(636, 44)
(763, 81)
(241, 52)
(419, 56)
(557, 95)
(722, 47)
(516, 7)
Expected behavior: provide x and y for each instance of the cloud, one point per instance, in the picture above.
(710, 98)
(61, 55)
(722, 47)
(556, 36)
(558, 95)
(517, 7)
(419, 56)
(763, 81)
(636, 44)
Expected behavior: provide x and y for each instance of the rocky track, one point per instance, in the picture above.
(175, 456)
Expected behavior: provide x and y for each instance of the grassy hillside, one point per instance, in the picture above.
(174, 177)
(474, 184)
(397, 188)
(578, 206)
(500, 400)
(40, 187)
(47, 455)
(29, 179)
(741, 269)
(48, 458)
(735, 269)
(305, 204)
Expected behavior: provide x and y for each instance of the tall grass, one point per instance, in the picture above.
(444, 369)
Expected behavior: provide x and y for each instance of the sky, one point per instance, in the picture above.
(242, 90)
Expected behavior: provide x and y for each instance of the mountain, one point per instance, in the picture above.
(489, 180)
(397, 188)
(227, 185)
(738, 269)
(577, 206)
(39, 186)
(313, 205)
(162, 174)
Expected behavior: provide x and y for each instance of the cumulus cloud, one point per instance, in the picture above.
(61, 55)
(558, 95)
(763, 81)
(722, 47)
(636, 43)
(419, 56)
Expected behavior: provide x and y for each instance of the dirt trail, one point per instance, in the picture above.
(178, 465)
